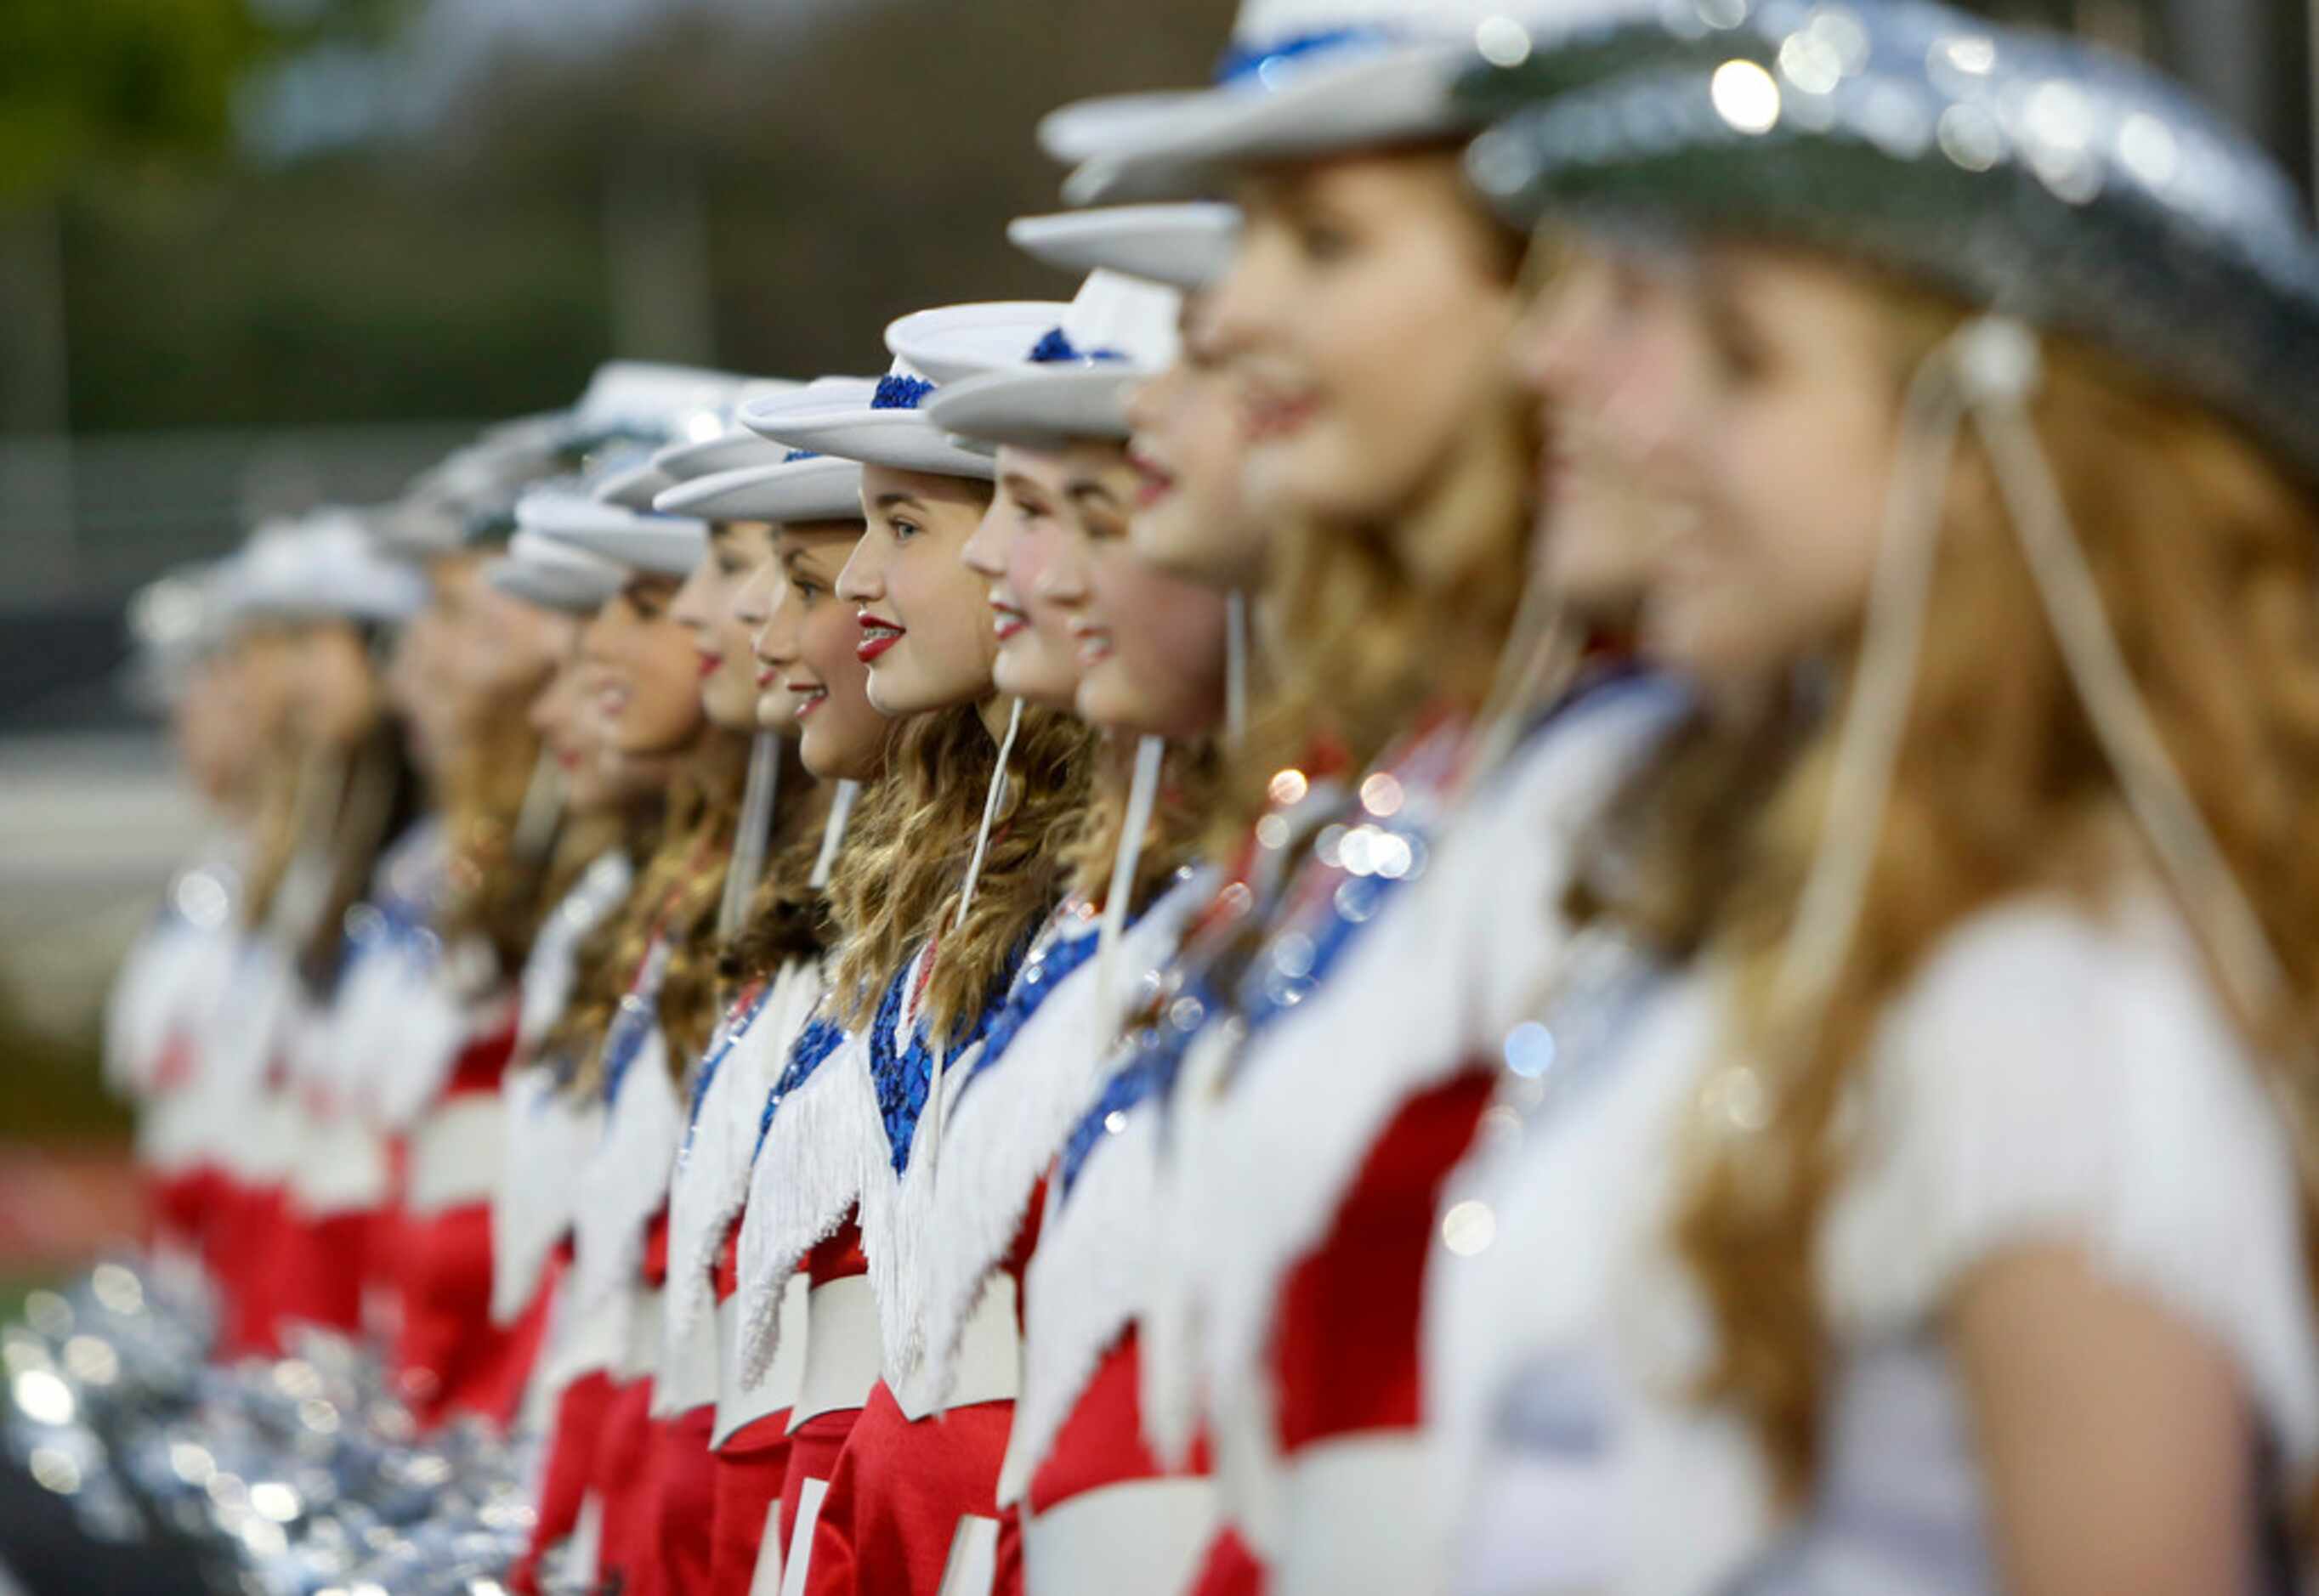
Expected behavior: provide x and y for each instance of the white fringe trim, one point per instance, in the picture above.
(807, 1181)
(711, 1186)
(549, 1141)
(1089, 1278)
(628, 1179)
(963, 1212)
(1168, 1334)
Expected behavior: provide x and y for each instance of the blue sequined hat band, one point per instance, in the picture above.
(1056, 349)
(1244, 63)
(899, 392)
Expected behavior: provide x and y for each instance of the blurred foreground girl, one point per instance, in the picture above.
(1918, 1198)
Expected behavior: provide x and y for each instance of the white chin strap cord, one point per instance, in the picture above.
(1985, 376)
(832, 833)
(1142, 799)
(541, 813)
(1235, 668)
(752, 835)
(991, 801)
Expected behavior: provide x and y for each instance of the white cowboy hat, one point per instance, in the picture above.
(1074, 382)
(1186, 246)
(551, 575)
(881, 424)
(658, 545)
(1299, 78)
(954, 341)
(323, 565)
(730, 449)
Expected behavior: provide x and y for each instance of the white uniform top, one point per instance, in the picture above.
(2049, 1077)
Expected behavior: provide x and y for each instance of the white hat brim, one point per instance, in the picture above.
(902, 440)
(825, 489)
(653, 551)
(665, 546)
(1186, 245)
(1395, 95)
(636, 487)
(1040, 406)
(687, 462)
(565, 590)
(951, 342)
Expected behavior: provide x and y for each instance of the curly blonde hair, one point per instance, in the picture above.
(898, 882)
(2207, 554)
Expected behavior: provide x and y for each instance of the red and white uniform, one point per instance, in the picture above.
(750, 1434)
(549, 1137)
(1313, 1166)
(607, 1338)
(969, 1208)
(911, 1504)
(799, 1231)
(170, 984)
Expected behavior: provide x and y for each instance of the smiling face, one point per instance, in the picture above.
(806, 652)
(706, 606)
(647, 675)
(1368, 304)
(1028, 549)
(925, 620)
(565, 716)
(1730, 387)
(1190, 457)
(1149, 643)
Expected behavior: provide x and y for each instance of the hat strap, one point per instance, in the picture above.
(752, 836)
(832, 833)
(1740, 1099)
(990, 802)
(1142, 799)
(2254, 977)
(1236, 668)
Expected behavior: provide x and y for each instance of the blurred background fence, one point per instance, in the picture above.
(260, 254)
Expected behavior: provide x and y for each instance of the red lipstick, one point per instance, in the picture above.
(878, 635)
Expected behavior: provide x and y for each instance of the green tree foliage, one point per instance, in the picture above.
(86, 83)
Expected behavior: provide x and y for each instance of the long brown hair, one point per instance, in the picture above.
(788, 916)
(2206, 555)
(496, 895)
(675, 897)
(1362, 627)
(898, 882)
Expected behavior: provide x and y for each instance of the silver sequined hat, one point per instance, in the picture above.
(2028, 173)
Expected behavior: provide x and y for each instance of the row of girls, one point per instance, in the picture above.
(1575, 852)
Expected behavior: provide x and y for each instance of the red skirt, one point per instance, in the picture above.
(449, 1357)
(815, 1447)
(242, 1245)
(751, 1473)
(572, 1444)
(325, 1264)
(622, 1479)
(899, 1494)
(684, 1501)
